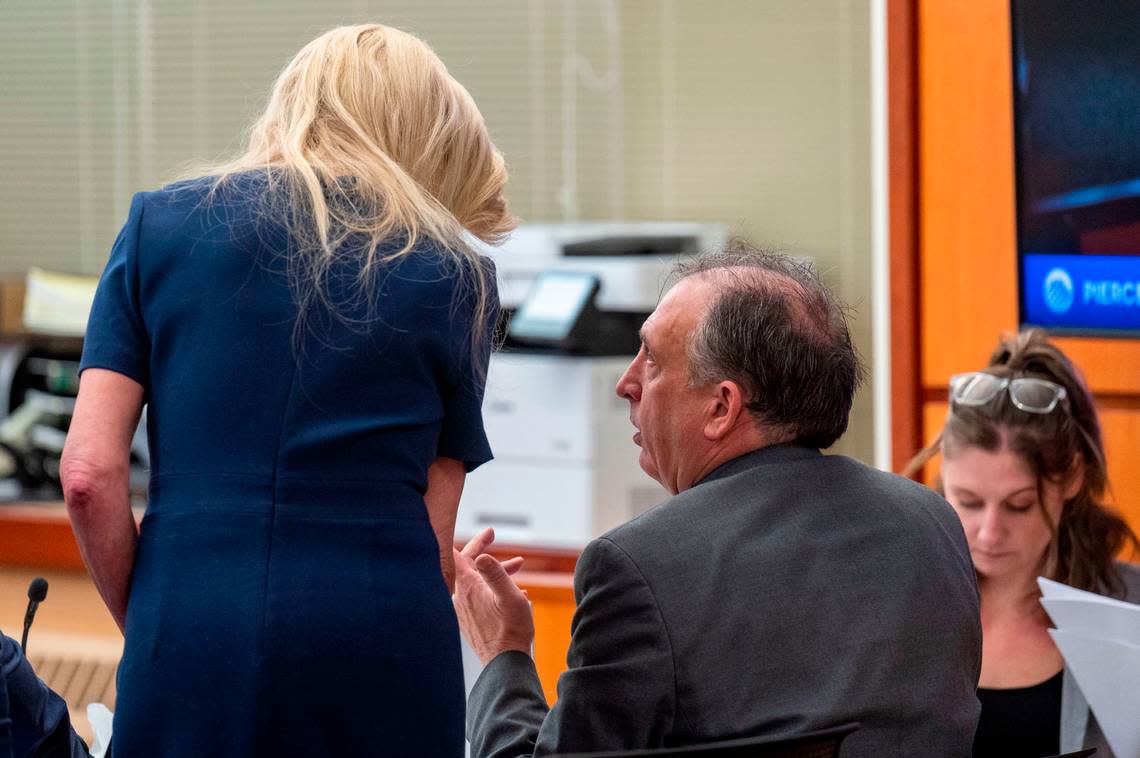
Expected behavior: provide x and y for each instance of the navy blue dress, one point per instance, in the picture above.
(286, 596)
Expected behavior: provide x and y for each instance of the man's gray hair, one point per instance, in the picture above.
(778, 332)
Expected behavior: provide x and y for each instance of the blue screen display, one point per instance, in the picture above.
(1076, 76)
(1090, 293)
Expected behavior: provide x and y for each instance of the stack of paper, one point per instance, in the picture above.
(1099, 638)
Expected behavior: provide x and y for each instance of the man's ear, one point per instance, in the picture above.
(725, 406)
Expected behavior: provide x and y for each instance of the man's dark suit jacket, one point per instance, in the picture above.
(787, 591)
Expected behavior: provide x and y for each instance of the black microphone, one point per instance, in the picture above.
(37, 592)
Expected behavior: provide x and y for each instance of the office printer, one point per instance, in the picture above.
(574, 297)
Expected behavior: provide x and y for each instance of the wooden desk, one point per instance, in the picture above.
(36, 540)
(74, 645)
(38, 535)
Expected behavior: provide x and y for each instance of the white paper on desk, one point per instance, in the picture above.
(1100, 617)
(1108, 674)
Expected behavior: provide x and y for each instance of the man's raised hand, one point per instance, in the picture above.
(494, 614)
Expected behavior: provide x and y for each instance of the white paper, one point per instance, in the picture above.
(1102, 618)
(100, 719)
(1052, 589)
(1108, 674)
(1099, 638)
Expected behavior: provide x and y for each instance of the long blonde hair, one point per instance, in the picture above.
(367, 136)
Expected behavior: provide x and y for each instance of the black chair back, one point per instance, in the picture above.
(819, 744)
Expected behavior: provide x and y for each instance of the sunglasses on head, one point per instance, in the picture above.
(1027, 394)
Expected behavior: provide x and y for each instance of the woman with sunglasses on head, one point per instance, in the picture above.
(1023, 465)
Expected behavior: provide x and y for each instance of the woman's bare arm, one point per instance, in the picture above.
(445, 485)
(95, 471)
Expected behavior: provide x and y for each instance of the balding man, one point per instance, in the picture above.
(779, 590)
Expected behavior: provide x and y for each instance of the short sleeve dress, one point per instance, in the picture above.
(286, 596)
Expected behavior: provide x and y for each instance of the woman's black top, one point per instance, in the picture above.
(1020, 722)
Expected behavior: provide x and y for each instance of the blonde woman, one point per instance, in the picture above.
(310, 332)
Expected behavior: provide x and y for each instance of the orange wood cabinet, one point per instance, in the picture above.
(38, 536)
(552, 596)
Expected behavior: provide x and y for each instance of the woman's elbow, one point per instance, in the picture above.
(86, 483)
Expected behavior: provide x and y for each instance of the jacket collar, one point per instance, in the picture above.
(772, 454)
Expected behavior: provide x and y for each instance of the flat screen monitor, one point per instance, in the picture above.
(553, 307)
(1076, 76)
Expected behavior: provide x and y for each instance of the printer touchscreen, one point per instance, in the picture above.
(553, 307)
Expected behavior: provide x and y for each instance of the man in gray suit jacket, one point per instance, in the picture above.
(779, 590)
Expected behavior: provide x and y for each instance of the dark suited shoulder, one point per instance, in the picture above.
(911, 494)
(770, 479)
(619, 690)
(801, 590)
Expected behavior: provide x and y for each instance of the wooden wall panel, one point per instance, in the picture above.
(967, 234)
(1121, 429)
(1110, 366)
(933, 417)
(902, 156)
